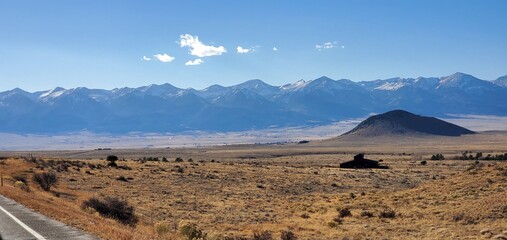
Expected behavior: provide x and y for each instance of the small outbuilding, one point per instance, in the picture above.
(360, 162)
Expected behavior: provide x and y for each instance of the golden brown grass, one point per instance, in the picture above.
(66, 207)
(298, 187)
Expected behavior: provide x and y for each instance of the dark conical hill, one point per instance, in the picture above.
(399, 122)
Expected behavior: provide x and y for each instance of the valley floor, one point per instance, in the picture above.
(193, 139)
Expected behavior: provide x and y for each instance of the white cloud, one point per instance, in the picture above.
(244, 50)
(146, 58)
(195, 62)
(197, 48)
(163, 57)
(326, 45)
(275, 49)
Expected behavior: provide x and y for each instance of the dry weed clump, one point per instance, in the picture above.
(332, 224)
(367, 214)
(46, 180)
(387, 213)
(20, 178)
(191, 231)
(162, 228)
(262, 235)
(122, 179)
(112, 207)
(344, 212)
(21, 185)
(288, 235)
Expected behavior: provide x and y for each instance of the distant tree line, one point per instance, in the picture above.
(468, 155)
(480, 156)
(437, 156)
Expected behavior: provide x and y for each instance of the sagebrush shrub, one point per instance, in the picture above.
(288, 235)
(112, 207)
(387, 214)
(122, 178)
(45, 180)
(191, 231)
(366, 214)
(344, 212)
(262, 235)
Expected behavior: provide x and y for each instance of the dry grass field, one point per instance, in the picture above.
(246, 189)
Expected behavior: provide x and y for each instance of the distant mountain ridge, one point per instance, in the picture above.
(399, 122)
(501, 81)
(253, 104)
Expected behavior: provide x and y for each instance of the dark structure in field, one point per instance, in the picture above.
(360, 162)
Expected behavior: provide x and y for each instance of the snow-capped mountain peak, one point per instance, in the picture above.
(457, 79)
(390, 86)
(257, 86)
(291, 86)
(163, 90)
(501, 81)
(53, 93)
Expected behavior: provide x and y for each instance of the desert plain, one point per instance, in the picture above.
(252, 191)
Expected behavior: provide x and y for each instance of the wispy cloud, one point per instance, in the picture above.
(163, 58)
(327, 45)
(199, 49)
(195, 62)
(275, 49)
(146, 58)
(240, 49)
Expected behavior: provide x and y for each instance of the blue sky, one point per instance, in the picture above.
(101, 44)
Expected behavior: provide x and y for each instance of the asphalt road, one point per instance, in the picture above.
(19, 222)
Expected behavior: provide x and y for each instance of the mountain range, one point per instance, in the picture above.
(249, 105)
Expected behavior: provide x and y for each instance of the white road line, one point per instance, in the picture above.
(27, 228)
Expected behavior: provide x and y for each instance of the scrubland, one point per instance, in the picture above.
(260, 191)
